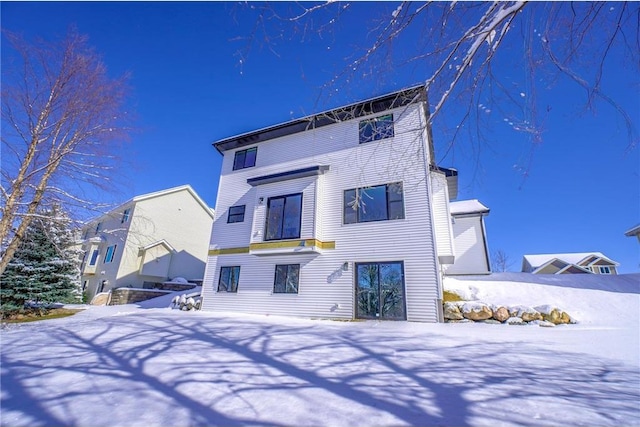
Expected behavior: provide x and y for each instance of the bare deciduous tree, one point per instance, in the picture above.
(474, 58)
(500, 261)
(62, 120)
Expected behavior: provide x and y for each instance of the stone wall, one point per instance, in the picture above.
(121, 296)
(476, 311)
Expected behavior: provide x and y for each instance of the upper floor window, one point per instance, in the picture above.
(287, 278)
(98, 227)
(284, 215)
(604, 269)
(229, 277)
(379, 203)
(111, 250)
(236, 214)
(245, 158)
(125, 215)
(94, 257)
(377, 128)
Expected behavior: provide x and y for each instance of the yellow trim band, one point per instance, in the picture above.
(229, 251)
(274, 245)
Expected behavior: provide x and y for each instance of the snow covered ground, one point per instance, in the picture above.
(147, 365)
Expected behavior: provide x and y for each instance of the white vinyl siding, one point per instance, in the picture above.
(325, 289)
(471, 256)
(442, 218)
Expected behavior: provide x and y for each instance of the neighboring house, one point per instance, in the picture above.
(572, 263)
(151, 238)
(470, 238)
(343, 214)
(635, 231)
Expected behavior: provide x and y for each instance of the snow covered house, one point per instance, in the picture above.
(151, 238)
(341, 214)
(570, 263)
(470, 238)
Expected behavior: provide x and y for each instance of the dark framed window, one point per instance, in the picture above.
(287, 279)
(284, 216)
(98, 227)
(111, 251)
(125, 215)
(377, 128)
(94, 257)
(236, 214)
(379, 203)
(229, 277)
(245, 158)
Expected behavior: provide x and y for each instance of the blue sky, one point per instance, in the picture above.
(196, 76)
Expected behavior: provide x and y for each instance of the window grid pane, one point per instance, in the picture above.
(236, 214)
(229, 278)
(286, 279)
(245, 158)
(376, 129)
(379, 203)
(284, 216)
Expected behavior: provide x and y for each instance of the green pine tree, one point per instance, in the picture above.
(45, 268)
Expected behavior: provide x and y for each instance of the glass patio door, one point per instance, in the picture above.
(380, 291)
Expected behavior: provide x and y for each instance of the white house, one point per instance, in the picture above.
(569, 263)
(342, 214)
(150, 238)
(470, 238)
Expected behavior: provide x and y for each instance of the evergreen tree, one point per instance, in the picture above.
(45, 268)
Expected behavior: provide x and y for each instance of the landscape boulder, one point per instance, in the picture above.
(501, 314)
(476, 311)
(452, 312)
(528, 314)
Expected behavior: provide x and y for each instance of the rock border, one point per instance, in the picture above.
(478, 311)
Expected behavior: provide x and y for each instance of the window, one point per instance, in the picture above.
(125, 216)
(98, 227)
(287, 277)
(284, 217)
(604, 269)
(245, 159)
(379, 203)
(94, 257)
(229, 277)
(377, 128)
(109, 255)
(236, 214)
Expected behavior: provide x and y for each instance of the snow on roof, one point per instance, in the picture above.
(462, 207)
(572, 258)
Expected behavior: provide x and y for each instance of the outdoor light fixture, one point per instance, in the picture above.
(345, 266)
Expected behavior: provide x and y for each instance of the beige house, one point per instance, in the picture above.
(151, 238)
(571, 263)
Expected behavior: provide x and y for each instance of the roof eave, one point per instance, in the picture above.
(370, 106)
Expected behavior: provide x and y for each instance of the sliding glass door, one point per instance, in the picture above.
(380, 290)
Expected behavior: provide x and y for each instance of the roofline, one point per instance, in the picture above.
(374, 105)
(589, 254)
(147, 196)
(175, 190)
(633, 231)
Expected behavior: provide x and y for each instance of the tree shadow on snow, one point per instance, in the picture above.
(190, 370)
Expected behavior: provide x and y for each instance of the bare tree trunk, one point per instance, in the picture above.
(60, 115)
